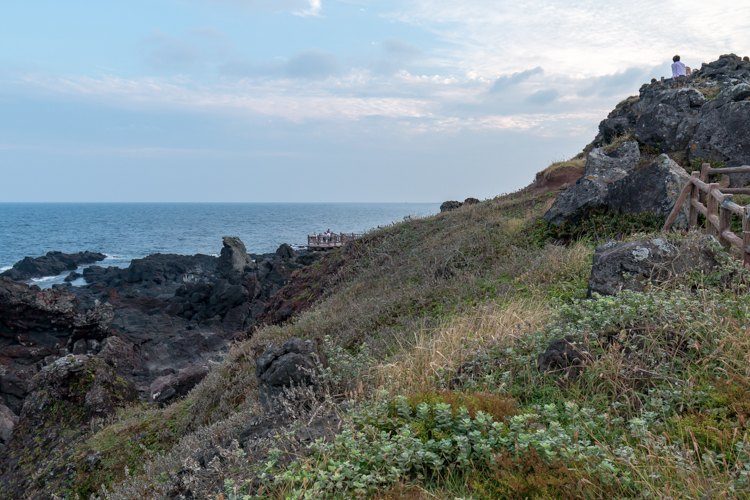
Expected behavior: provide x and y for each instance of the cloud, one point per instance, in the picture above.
(277, 99)
(617, 83)
(163, 52)
(399, 48)
(578, 38)
(541, 97)
(312, 64)
(195, 49)
(314, 8)
(302, 8)
(505, 81)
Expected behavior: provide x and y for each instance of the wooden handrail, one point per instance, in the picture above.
(718, 210)
(745, 190)
(744, 169)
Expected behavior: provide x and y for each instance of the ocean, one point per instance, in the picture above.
(125, 231)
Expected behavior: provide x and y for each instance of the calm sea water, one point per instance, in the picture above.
(125, 231)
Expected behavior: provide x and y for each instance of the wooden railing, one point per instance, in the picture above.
(322, 241)
(715, 203)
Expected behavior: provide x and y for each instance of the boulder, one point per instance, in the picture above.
(632, 265)
(447, 206)
(653, 188)
(292, 364)
(471, 201)
(285, 251)
(234, 259)
(80, 380)
(618, 181)
(603, 168)
(168, 387)
(563, 358)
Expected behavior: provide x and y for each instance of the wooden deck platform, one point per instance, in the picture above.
(328, 241)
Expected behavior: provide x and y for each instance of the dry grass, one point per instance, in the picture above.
(435, 353)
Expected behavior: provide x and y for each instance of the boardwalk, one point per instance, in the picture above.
(327, 241)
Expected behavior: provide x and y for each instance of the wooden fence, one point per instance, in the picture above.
(715, 203)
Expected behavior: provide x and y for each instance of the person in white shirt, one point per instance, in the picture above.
(678, 68)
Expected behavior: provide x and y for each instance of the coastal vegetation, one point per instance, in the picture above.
(469, 354)
(432, 335)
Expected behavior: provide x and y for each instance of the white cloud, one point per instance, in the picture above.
(314, 8)
(283, 99)
(530, 65)
(579, 37)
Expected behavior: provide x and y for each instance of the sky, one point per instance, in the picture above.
(323, 100)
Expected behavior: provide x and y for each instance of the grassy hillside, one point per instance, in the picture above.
(431, 329)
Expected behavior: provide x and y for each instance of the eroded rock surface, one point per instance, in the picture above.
(154, 321)
(620, 181)
(632, 265)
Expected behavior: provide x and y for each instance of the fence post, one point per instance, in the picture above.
(746, 237)
(677, 208)
(713, 209)
(692, 211)
(705, 178)
(725, 219)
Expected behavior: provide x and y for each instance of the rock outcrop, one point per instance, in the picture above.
(64, 396)
(632, 265)
(294, 363)
(234, 260)
(51, 264)
(703, 119)
(447, 206)
(39, 325)
(158, 322)
(619, 181)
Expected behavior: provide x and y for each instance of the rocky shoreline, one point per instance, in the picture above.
(154, 326)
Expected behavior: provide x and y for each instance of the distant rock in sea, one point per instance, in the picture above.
(51, 264)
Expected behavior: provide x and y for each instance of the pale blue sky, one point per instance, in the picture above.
(322, 100)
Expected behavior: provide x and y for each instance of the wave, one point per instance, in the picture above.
(5, 268)
(46, 279)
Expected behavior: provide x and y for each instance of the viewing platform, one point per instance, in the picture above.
(329, 240)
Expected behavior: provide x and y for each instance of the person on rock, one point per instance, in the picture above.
(678, 68)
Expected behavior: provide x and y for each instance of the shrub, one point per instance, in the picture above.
(388, 442)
